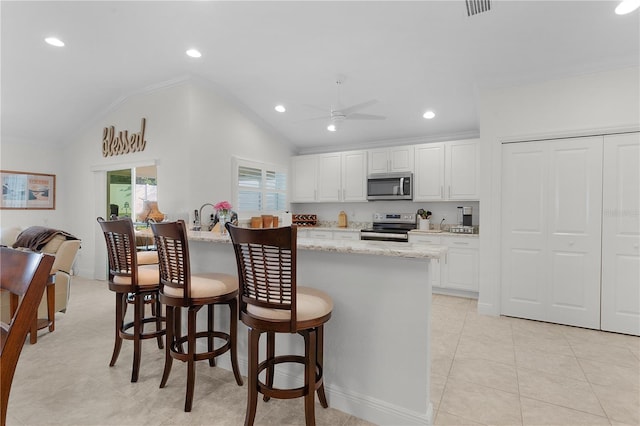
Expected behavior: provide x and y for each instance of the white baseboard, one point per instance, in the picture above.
(359, 405)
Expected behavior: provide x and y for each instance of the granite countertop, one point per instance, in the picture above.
(442, 233)
(379, 248)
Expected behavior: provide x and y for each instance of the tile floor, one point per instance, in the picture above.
(485, 371)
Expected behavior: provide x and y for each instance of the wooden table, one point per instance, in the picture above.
(40, 323)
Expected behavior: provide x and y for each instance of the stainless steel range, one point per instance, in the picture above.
(390, 227)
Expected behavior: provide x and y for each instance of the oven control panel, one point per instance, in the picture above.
(394, 217)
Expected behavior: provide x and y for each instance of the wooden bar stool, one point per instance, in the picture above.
(24, 274)
(181, 289)
(271, 302)
(128, 279)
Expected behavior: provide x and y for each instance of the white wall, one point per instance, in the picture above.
(191, 134)
(589, 104)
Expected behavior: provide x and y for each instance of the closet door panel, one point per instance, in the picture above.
(621, 234)
(523, 230)
(574, 226)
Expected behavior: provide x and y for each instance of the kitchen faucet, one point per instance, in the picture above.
(202, 219)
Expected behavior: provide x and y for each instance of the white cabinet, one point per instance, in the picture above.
(621, 234)
(435, 265)
(551, 230)
(447, 171)
(394, 159)
(460, 269)
(329, 177)
(332, 177)
(304, 177)
(327, 234)
(354, 176)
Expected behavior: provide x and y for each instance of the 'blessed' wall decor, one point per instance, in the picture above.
(123, 143)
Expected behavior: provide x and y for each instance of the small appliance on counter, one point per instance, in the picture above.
(465, 219)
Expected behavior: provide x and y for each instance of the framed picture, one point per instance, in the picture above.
(22, 190)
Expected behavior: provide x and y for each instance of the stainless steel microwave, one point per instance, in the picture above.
(390, 186)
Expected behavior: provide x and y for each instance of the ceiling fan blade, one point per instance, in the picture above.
(358, 116)
(354, 108)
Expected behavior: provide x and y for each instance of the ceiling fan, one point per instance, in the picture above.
(338, 114)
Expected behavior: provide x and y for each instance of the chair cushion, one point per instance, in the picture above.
(147, 257)
(311, 304)
(148, 276)
(206, 285)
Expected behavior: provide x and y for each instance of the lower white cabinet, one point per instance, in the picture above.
(327, 234)
(458, 268)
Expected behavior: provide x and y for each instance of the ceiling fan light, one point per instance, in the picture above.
(280, 108)
(331, 127)
(429, 115)
(54, 41)
(627, 6)
(194, 53)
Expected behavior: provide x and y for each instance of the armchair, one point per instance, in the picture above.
(65, 252)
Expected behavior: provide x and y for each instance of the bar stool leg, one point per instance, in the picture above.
(319, 359)
(252, 394)
(310, 338)
(271, 353)
(168, 359)
(138, 328)
(191, 361)
(210, 329)
(233, 331)
(121, 299)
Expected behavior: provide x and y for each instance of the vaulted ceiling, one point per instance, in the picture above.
(409, 56)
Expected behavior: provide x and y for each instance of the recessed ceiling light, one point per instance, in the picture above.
(429, 115)
(194, 53)
(280, 108)
(627, 6)
(331, 127)
(53, 41)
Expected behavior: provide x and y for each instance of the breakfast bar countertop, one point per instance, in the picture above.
(380, 248)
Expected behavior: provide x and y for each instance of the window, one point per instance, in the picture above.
(259, 187)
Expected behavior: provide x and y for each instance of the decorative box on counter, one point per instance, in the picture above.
(304, 219)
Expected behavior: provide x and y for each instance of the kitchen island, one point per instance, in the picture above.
(376, 354)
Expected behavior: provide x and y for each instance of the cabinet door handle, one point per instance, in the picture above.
(461, 243)
(449, 191)
(441, 191)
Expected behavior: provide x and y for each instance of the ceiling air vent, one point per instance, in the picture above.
(477, 6)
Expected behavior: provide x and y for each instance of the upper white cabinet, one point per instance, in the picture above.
(447, 171)
(394, 159)
(304, 178)
(332, 177)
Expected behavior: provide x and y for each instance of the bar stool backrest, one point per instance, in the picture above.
(121, 247)
(266, 260)
(173, 255)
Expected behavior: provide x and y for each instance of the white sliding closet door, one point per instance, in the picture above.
(574, 218)
(524, 229)
(621, 234)
(551, 230)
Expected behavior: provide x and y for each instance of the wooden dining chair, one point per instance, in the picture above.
(271, 302)
(133, 283)
(179, 288)
(24, 274)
